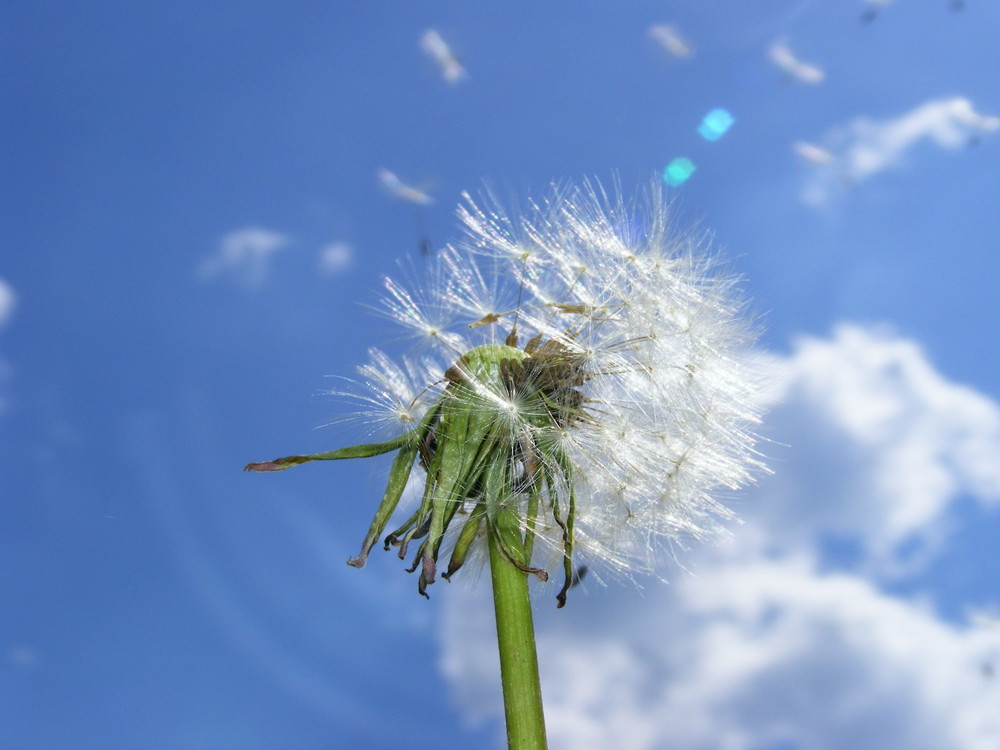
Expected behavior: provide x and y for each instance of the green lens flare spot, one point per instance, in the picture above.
(715, 124)
(678, 171)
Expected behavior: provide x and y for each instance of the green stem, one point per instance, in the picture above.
(522, 691)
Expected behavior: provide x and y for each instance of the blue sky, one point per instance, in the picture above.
(193, 233)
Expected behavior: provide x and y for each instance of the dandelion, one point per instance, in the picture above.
(585, 392)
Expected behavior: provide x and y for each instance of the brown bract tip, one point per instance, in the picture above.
(265, 466)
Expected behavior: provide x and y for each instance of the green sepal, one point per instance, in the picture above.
(355, 451)
(399, 474)
(465, 539)
(566, 467)
(531, 515)
(464, 442)
(503, 521)
(417, 524)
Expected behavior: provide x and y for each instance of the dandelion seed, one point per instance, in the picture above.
(401, 190)
(671, 40)
(436, 47)
(598, 389)
(812, 153)
(782, 56)
(872, 11)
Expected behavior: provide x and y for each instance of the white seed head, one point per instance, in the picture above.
(657, 334)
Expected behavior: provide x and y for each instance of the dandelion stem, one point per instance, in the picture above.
(522, 692)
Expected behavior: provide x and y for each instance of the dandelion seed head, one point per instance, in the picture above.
(590, 327)
(583, 369)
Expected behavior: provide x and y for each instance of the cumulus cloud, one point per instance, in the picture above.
(741, 657)
(773, 642)
(781, 653)
(866, 147)
(243, 256)
(879, 445)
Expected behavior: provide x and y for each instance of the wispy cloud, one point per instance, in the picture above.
(243, 256)
(776, 640)
(865, 147)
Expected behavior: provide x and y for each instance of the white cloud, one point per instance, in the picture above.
(8, 299)
(769, 644)
(866, 147)
(781, 653)
(743, 657)
(880, 444)
(335, 257)
(244, 256)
